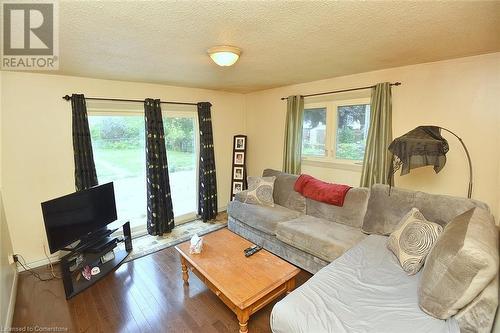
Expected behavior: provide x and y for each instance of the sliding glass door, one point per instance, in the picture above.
(118, 145)
(181, 129)
(119, 151)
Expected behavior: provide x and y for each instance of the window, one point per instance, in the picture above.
(314, 132)
(118, 142)
(336, 131)
(352, 130)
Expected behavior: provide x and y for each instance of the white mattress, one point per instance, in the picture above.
(364, 290)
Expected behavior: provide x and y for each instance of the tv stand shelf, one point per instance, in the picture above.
(73, 280)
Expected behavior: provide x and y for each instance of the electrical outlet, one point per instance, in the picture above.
(11, 259)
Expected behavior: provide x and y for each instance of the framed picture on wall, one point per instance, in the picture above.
(240, 143)
(239, 157)
(238, 164)
(238, 172)
(237, 187)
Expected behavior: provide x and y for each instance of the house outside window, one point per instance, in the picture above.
(336, 131)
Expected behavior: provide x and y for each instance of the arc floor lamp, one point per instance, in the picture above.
(423, 146)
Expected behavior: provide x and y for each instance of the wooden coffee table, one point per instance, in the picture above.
(244, 284)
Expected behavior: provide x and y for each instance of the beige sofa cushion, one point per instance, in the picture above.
(412, 241)
(462, 263)
(321, 238)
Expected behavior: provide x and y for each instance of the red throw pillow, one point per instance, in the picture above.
(310, 187)
(301, 182)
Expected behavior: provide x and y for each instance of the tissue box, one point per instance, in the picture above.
(196, 245)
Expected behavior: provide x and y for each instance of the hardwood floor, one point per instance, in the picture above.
(144, 295)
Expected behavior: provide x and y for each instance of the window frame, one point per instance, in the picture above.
(120, 110)
(331, 107)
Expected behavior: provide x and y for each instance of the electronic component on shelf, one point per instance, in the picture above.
(95, 270)
(108, 257)
(76, 261)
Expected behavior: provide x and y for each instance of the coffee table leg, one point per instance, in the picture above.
(243, 317)
(290, 285)
(185, 274)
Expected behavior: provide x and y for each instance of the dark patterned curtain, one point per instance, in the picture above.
(207, 197)
(85, 174)
(160, 214)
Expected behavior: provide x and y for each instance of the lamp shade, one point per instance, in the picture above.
(419, 147)
(224, 55)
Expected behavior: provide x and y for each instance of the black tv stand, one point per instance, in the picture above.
(101, 245)
(88, 253)
(90, 240)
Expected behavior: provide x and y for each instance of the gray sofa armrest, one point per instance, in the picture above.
(241, 196)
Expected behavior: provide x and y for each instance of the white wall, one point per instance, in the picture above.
(460, 94)
(8, 272)
(37, 147)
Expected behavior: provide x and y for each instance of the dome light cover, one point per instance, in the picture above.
(224, 55)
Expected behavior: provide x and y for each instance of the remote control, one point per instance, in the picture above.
(252, 250)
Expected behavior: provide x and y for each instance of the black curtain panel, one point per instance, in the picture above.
(160, 214)
(207, 197)
(85, 174)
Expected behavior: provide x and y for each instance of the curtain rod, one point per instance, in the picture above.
(68, 98)
(343, 90)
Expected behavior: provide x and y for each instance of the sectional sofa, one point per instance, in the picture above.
(358, 284)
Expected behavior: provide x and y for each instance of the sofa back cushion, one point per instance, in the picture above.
(462, 263)
(387, 206)
(284, 194)
(351, 213)
(479, 315)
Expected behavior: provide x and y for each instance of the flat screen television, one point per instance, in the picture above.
(75, 216)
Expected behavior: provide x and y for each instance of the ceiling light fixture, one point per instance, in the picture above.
(224, 55)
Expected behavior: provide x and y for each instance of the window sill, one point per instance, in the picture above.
(349, 166)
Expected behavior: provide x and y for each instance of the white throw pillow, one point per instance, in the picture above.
(260, 191)
(412, 240)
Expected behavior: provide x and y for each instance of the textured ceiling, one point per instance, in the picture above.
(283, 42)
